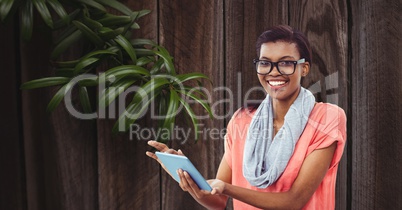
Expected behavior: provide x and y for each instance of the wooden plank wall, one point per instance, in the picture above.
(55, 161)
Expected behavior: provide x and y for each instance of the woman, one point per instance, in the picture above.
(288, 156)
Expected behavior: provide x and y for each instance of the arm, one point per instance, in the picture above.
(187, 184)
(313, 170)
(203, 197)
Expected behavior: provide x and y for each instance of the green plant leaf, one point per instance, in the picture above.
(65, 43)
(111, 93)
(190, 76)
(163, 53)
(92, 36)
(43, 11)
(170, 113)
(199, 101)
(141, 42)
(59, 96)
(65, 64)
(140, 102)
(116, 5)
(143, 12)
(192, 116)
(92, 24)
(62, 23)
(84, 63)
(134, 111)
(115, 21)
(84, 99)
(59, 9)
(107, 33)
(126, 70)
(26, 20)
(93, 4)
(126, 45)
(5, 8)
(45, 82)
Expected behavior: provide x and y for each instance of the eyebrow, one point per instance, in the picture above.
(282, 58)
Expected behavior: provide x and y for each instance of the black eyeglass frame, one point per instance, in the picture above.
(255, 61)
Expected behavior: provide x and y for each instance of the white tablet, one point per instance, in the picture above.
(175, 162)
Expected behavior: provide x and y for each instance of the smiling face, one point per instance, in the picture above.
(282, 87)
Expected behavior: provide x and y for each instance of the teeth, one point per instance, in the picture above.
(276, 83)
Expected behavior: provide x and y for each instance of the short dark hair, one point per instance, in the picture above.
(287, 34)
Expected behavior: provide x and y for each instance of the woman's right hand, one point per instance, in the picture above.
(161, 147)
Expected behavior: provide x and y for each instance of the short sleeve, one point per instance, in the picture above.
(229, 143)
(330, 126)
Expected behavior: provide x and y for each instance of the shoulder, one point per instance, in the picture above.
(326, 111)
(329, 119)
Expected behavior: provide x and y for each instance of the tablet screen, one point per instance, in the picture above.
(174, 162)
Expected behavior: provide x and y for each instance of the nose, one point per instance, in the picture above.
(275, 71)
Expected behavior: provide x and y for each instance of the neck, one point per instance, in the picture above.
(281, 107)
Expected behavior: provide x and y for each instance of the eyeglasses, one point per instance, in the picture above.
(264, 67)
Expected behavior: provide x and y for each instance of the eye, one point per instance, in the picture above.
(286, 63)
(265, 63)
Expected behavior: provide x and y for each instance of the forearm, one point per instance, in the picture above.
(212, 202)
(264, 200)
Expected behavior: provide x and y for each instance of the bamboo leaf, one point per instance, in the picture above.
(43, 11)
(92, 36)
(56, 99)
(114, 20)
(27, 20)
(45, 82)
(107, 33)
(62, 23)
(84, 63)
(116, 5)
(126, 45)
(164, 54)
(171, 113)
(66, 43)
(141, 42)
(121, 71)
(92, 24)
(143, 12)
(5, 8)
(59, 9)
(192, 116)
(134, 111)
(111, 93)
(84, 99)
(190, 76)
(65, 64)
(198, 100)
(93, 4)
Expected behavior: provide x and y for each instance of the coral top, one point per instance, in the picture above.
(326, 125)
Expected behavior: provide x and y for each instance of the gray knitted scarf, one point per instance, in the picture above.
(265, 159)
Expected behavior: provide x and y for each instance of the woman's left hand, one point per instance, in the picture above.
(217, 186)
(188, 184)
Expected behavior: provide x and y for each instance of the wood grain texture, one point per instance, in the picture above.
(128, 179)
(192, 31)
(376, 84)
(12, 177)
(244, 22)
(325, 23)
(60, 150)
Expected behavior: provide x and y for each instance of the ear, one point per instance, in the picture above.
(305, 69)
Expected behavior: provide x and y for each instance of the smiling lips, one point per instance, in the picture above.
(277, 83)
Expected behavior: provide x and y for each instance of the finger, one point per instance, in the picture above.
(179, 152)
(192, 185)
(151, 155)
(183, 182)
(159, 146)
